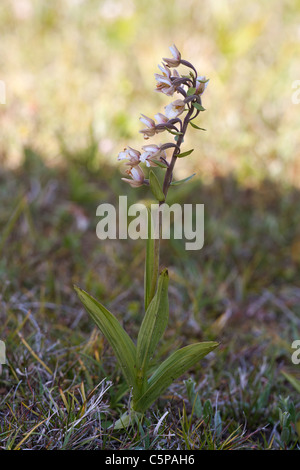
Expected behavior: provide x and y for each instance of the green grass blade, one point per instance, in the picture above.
(172, 368)
(153, 325)
(295, 382)
(118, 339)
(2, 353)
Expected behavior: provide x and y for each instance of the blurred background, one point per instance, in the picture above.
(77, 70)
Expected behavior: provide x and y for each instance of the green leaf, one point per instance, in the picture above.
(198, 106)
(173, 132)
(184, 154)
(153, 327)
(159, 163)
(193, 397)
(172, 368)
(118, 339)
(292, 380)
(2, 353)
(196, 127)
(156, 187)
(191, 91)
(127, 418)
(174, 183)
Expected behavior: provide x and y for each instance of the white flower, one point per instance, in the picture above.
(176, 57)
(164, 82)
(151, 152)
(150, 130)
(174, 109)
(137, 176)
(202, 83)
(161, 118)
(130, 154)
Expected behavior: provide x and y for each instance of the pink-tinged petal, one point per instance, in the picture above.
(162, 79)
(174, 109)
(147, 121)
(176, 73)
(201, 86)
(133, 153)
(144, 156)
(148, 132)
(151, 148)
(175, 52)
(137, 176)
(176, 57)
(133, 184)
(165, 70)
(161, 118)
(152, 152)
(130, 154)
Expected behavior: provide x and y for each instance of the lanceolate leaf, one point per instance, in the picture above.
(191, 91)
(2, 353)
(197, 127)
(173, 132)
(172, 368)
(295, 382)
(184, 154)
(153, 327)
(159, 163)
(156, 187)
(119, 340)
(198, 106)
(174, 183)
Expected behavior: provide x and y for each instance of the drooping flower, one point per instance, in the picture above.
(161, 120)
(152, 152)
(176, 57)
(174, 109)
(150, 130)
(130, 154)
(137, 176)
(202, 83)
(164, 82)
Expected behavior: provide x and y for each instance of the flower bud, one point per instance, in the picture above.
(201, 84)
(176, 57)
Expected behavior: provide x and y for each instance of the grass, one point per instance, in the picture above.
(61, 388)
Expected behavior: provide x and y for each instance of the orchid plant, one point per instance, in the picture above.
(134, 358)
